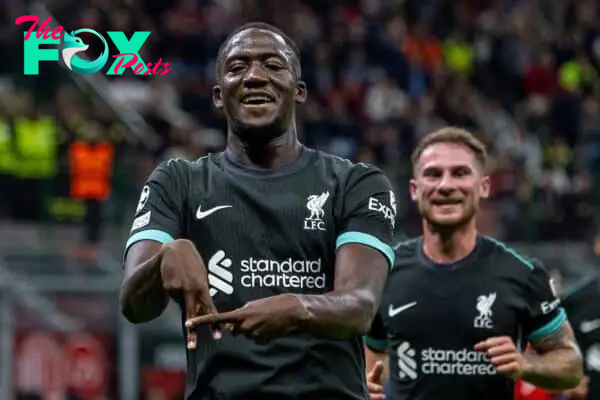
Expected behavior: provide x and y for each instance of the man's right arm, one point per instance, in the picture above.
(158, 220)
(142, 296)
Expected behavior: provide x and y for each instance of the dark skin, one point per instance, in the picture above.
(154, 271)
(258, 63)
(344, 313)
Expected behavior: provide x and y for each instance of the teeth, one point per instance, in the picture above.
(444, 202)
(256, 99)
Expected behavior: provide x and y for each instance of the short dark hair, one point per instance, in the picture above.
(452, 134)
(266, 27)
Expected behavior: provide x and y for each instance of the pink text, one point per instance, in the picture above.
(139, 68)
(42, 30)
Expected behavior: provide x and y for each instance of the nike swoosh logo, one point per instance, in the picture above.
(203, 214)
(588, 326)
(395, 311)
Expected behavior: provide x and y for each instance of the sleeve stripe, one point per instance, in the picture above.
(367, 240)
(375, 344)
(512, 252)
(549, 328)
(150, 234)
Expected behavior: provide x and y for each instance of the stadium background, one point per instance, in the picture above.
(523, 74)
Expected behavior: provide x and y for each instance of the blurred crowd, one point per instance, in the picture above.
(522, 74)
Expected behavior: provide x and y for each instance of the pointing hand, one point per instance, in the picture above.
(261, 320)
(183, 272)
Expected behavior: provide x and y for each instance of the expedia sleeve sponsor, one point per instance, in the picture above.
(368, 211)
(543, 313)
(158, 214)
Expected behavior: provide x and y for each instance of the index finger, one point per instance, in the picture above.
(498, 340)
(481, 346)
(213, 319)
(191, 309)
(375, 372)
(492, 342)
(209, 308)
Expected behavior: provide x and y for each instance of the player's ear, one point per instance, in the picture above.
(217, 95)
(413, 190)
(484, 188)
(301, 92)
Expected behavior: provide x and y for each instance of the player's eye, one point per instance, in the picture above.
(235, 68)
(432, 173)
(274, 66)
(461, 172)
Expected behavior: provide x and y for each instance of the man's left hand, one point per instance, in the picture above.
(261, 320)
(504, 355)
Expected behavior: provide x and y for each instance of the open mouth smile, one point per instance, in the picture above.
(253, 99)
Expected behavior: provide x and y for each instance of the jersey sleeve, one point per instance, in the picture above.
(368, 211)
(543, 311)
(376, 339)
(158, 215)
